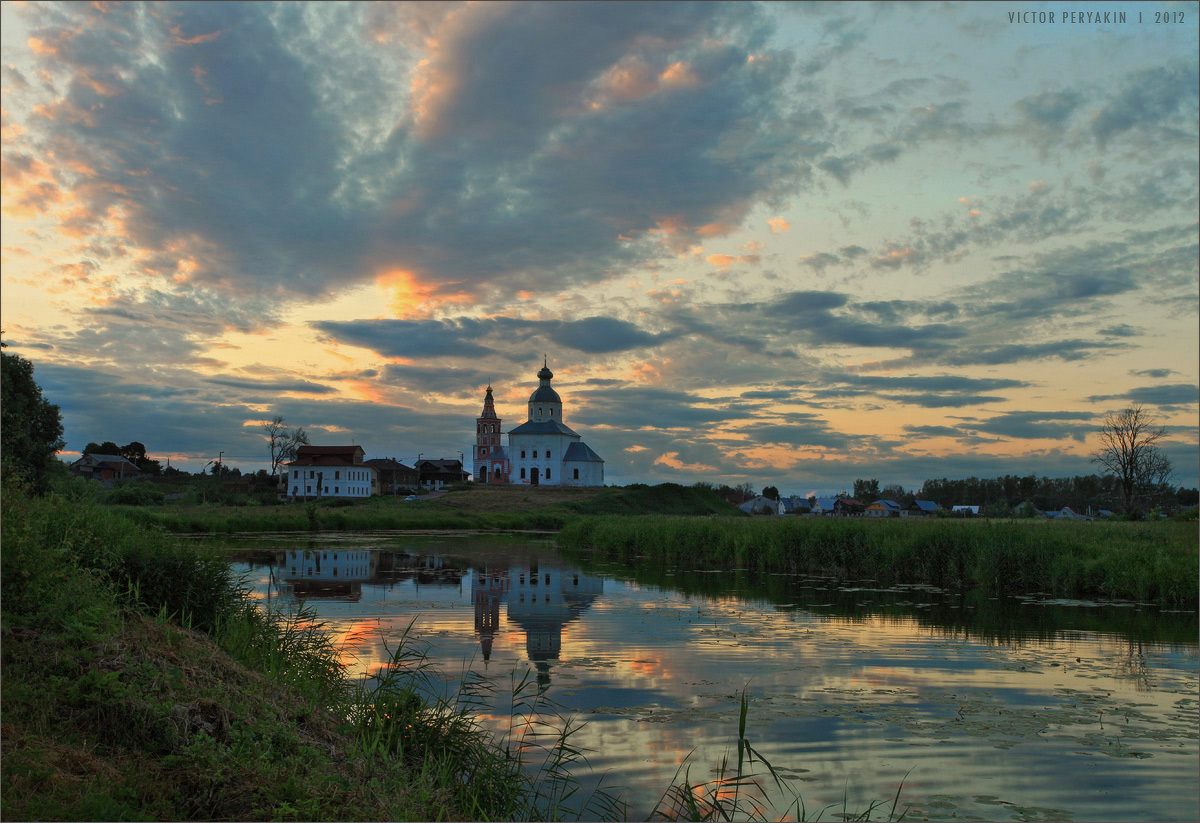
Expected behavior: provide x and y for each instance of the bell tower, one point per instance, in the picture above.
(490, 459)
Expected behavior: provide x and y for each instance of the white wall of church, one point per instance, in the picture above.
(583, 473)
(542, 452)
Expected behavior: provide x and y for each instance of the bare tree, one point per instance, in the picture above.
(283, 441)
(1129, 451)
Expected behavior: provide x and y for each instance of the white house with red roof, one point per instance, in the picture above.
(328, 471)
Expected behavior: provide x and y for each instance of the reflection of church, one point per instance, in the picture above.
(541, 600)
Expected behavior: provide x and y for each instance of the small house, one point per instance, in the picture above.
(104, 467)
(884, 508)
(922, 508)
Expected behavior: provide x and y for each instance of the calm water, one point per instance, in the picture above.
(985, 709)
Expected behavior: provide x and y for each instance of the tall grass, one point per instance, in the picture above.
(1141, 561)
(141, 661)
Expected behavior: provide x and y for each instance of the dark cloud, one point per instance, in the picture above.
(412, 338)
(461, 337)
(1159, 102)
(604, 334)
(270, 386)
(1169, 395)
(1034, 425)
(1050, 109)
(1069, 350)
(1120, 330)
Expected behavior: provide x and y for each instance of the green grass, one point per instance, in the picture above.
(141, 682)
(471, 508)
(1154, 562)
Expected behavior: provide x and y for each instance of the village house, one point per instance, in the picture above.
(105, 468)
(760, 505)
(327, 471)
(438, 474)
(922, 508)
(392, 477)
(884, 508)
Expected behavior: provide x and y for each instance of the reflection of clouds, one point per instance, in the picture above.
(657, 674)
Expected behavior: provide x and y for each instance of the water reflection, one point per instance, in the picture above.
(541, 599)
(1032, 709)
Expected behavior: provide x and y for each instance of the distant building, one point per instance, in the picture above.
(543, 451)
(491, 463)
(437, 474)
(884, 508)
(328, 471)
(105, 467)
(922, 508)
(760, 505)
(392, 477)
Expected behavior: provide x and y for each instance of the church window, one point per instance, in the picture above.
(547, 472)
(551, 412)
(483, 450)
(576, 474)
(337, 475)
(522, 457)
(535, 454)
(522, 471)
(547, 454)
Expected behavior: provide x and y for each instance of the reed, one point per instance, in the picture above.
(1154, 562)
(140, 683)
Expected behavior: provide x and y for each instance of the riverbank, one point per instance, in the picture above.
(476, 508)
(1151, 562)
(141, 682)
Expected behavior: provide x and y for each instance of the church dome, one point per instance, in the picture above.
(544, 394)
(545, 373)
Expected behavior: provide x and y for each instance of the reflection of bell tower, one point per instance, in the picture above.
(487, 591)
(491, 460)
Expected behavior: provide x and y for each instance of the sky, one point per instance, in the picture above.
(778, 244)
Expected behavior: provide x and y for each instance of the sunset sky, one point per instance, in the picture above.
(788, 244)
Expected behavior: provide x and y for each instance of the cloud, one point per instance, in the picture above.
(1159, 103)
(1035, 425)
(1168, 395)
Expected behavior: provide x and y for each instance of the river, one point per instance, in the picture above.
(972, 708)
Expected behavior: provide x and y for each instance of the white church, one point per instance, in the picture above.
(542, 451)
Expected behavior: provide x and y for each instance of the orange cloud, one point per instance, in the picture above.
(412, 298)
(778, 225)
(715, 230)
(178, 39)
(672, 460)
(726, 260)
(678, 75)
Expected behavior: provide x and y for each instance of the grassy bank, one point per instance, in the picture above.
(489, 508)
(141, 683)
(1140, 561)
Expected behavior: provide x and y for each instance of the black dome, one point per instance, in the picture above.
(544, 394)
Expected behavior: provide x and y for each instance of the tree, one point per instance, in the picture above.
(107, 447)
(1129, 451)
(866, 491)
(30, 425)
(283, 441)
(771, 493)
